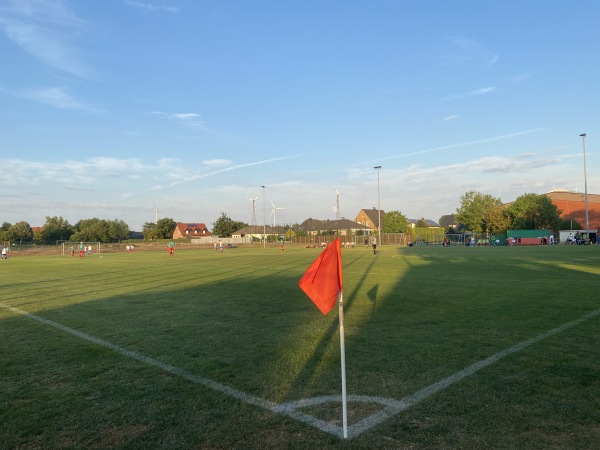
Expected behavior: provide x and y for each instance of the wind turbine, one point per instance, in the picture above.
(253, 200)
(336, 208)
(155, 213)
(274, 213)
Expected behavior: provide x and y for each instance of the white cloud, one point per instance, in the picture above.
(46, 30)
(512, 165)
(469, 50)
(151, 7)
(79, 189)
(481, 91)
(57, 97)
(217, 162)
(473, 93)
(186, 116)
(448, 118)
(82, 172)
(189, 119)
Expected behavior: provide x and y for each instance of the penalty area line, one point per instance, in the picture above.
(177, 371)
(149, 360)
(391, 408)
(399, 406)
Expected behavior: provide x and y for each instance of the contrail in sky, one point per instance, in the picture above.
(446, 147)
(216, 172)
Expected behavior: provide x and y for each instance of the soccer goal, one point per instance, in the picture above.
(90, 248)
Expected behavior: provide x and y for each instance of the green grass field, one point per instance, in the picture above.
(202, 350)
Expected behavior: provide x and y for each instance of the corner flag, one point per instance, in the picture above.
(322, 281)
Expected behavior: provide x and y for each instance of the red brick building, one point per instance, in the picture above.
(572, 205)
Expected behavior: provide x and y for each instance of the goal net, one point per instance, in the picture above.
(90, 248)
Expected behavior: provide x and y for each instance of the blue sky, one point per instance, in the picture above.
(118, 108)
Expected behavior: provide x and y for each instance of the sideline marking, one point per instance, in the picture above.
(391, 407)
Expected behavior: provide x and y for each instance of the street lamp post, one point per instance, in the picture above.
(264, 220)
(587, 222)
(378, 207)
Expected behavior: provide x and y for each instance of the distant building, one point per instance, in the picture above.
(257, 231)
(572, 205)
(370, 218)
(342, 227)
(190, 230)
(448, 221)
(136, 235)
(412, 223)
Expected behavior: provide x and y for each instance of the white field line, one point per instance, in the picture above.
(434, 388)
(391, 407)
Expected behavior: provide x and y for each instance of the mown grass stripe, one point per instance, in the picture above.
(391, 406)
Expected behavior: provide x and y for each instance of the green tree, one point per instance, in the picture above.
(225, 226)
(394, 222)
(4, 232)
(163, 229)
(298, 230)
(534, 212)
(570, 224)
(101, 230)
(55, 229)
(498, 220)
(118, 230)
(20, 232)
(91, 230)
(149, 230)
(475, 209)
(421, 223)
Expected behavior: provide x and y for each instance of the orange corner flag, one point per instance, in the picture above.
(322, 281)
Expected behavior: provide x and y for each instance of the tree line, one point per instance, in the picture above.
(56, 229)
(163, 228)
(479, 213)
(483, 213)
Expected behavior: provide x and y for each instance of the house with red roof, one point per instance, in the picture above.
(190, 230)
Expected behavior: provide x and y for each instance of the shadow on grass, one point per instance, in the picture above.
(244, 323)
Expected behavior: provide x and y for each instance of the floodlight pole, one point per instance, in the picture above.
(587, 223)
(378, 207)
(264, 220)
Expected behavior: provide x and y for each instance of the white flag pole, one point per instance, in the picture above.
(343, 361)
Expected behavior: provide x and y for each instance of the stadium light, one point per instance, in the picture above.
(587, 223)
(378, 207)
(264, 220)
